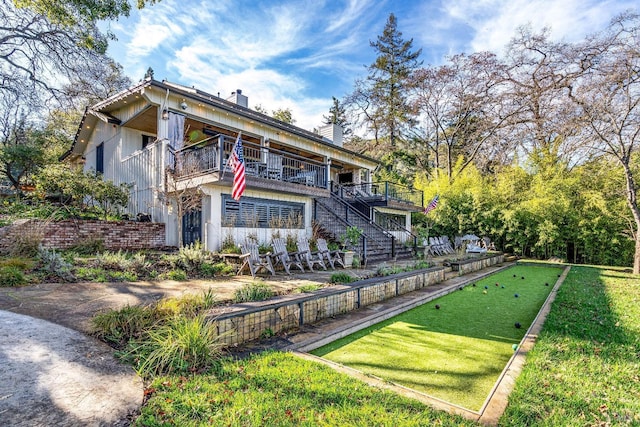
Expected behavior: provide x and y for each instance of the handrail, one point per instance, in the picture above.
(366, 230)
(382, 189)
(401, 228)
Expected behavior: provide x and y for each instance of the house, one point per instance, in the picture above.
(171, 144)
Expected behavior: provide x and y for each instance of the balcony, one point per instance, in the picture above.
(384, 193)
(265, 167)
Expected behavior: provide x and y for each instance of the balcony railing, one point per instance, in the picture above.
(262, 162)
(381, 191)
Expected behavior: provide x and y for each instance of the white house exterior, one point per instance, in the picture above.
(163, 138)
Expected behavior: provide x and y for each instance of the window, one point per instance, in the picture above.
(146, 140)
(100, 158)
(261, 213)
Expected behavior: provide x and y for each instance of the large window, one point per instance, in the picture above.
(261, 213)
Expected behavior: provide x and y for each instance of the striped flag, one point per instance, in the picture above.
(432, 205)
(237, 165)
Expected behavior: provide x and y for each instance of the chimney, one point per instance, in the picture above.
(332, 132)
(238, 98)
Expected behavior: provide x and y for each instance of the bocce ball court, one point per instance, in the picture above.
(455, 347)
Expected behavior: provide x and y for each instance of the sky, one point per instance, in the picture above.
(298, 54)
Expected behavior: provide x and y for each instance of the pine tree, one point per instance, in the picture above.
(388, 81)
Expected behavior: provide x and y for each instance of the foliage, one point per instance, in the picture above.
(254, 291)
(311, 287)
(11, 276)
(183, 345)
(53, 263)
(83, 190)
(193, 256)
(341, 277)
(119, 327)
(211, 270)
(229, 246)
(176, 274)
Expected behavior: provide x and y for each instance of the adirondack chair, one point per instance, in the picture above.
(332, 257)
(307, 256)
(436, 247)
(251, 258)
(447, 244)
(283, 257)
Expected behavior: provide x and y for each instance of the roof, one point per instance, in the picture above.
(97, 111)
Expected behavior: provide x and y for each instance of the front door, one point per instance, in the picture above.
(192, 227)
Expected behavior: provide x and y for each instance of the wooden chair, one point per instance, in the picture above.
(251, 257)
(332, 257)
(307, 256)
(283, 257)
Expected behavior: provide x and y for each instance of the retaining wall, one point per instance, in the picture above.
(68, 233)
(249, 321)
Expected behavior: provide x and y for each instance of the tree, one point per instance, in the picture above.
(462, 107)
(380, 101)
(607, 93)
(45, 42)
(338, 116)
(284, 115)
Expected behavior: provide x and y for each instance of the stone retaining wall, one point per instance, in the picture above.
(68, 233)
(251, 321)
(475, 264)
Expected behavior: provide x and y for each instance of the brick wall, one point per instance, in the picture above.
(68, 233)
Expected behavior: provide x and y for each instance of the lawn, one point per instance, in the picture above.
(583, 370)
(457, 351)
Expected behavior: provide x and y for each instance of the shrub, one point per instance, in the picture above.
(114, 260)
(11, 276)
(341, 277)
(211, 270)
(229, 246)
(188, 305)
(175, 274)
(181, 346)
(19, 263)
(118, 327)
(308, 288)
(92, 274)
(254, 291)
(123, 276)
(54, 263)
(192, 256)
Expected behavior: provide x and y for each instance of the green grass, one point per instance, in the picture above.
(456, 352)
(585, 367)
(280, 389)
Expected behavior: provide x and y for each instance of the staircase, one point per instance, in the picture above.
(335, 214)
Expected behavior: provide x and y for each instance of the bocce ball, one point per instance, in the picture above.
(437, 306)
(516, 295)
(486, 287)
(514, 347)
(518, 325)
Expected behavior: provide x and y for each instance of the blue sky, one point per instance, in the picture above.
(298, 54)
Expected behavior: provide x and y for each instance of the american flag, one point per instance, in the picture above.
(237, 165)
(432, 205)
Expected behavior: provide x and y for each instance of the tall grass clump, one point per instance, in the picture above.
(118, 327)
(11, 276)
(183, 345)
(341, 277)
(53, 263)
(254, 291)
